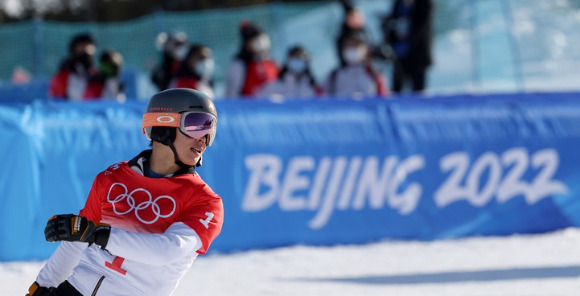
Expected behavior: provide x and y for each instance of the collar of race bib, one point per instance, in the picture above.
(142, 162)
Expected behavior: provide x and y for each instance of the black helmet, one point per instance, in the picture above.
(191, 112)
(179, 100)
(170, 107)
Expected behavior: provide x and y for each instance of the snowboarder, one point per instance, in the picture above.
(145, 220)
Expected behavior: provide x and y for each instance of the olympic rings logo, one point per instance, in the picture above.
(133, 206)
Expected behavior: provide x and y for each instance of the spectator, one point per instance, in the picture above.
(295, 79)
(408, 30)
(173, 48)
(20, 76)
(106, 84)
(196, 70)
(353, 23)
(252, 67)
(71, 80)
(356, 77)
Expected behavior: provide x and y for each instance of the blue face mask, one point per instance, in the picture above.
(296, 65)
(354, 55)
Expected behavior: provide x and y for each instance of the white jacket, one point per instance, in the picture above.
(289, 87)
(353, 82)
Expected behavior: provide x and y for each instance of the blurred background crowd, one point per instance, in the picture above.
(285, 50)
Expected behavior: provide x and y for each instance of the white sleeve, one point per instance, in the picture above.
(176, 242)
(60, 265)
(235, 79)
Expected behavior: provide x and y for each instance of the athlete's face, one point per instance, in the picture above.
(189, 149)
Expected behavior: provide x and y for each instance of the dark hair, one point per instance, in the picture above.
(80, 38)
(108, 56)
(184, 69)
(298, 50)
(194, 49)
(248, 31)
(356, 36)
(347, 5)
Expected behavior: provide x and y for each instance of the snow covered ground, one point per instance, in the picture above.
(547, 264)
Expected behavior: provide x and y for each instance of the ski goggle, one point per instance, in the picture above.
(194, 124)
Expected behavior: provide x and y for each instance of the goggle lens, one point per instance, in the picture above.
(198, 125)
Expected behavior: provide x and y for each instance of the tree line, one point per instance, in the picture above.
(112, 10)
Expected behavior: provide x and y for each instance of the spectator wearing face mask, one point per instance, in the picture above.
(72, 78)
(106, 84)
(295, 80)
(252, 67)
(355, 78)
(353, 23)
(196, 70)
(173, 49)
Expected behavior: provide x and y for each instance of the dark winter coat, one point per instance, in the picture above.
(420, 32)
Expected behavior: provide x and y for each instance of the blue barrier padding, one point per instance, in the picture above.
(38, 89)
(320, 172)
(24, 93)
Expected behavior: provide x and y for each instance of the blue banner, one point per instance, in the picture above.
(318, 172)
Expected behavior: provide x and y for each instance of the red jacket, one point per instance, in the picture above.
(258, 73)
(66, 84)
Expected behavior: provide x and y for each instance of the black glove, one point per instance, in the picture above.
(76, 228)
(36, 290)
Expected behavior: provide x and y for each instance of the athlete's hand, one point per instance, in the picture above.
(36, 290)
(76, 228)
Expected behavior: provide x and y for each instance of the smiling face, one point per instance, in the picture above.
(189, 149)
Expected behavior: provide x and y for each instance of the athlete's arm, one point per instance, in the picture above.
(60, 265)
(176, 242)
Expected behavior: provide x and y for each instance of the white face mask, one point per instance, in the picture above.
(260, 44)
(181, 52)
(204, 68)
(296, 65)
(354, 54)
